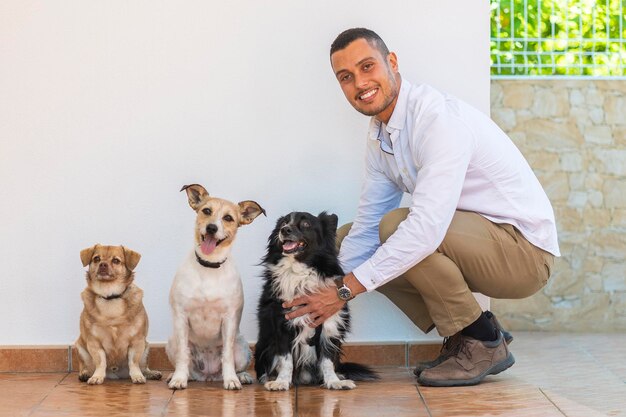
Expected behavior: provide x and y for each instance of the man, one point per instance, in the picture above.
(478, 221)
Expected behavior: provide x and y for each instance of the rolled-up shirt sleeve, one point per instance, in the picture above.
(379, 195)
(443, 151)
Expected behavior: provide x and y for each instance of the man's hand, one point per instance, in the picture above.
(323, 304)
(319, 306)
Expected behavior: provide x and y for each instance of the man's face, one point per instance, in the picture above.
(369, 80)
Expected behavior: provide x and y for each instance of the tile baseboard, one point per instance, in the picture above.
(63, 358)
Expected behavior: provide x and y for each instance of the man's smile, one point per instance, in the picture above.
(368, 95)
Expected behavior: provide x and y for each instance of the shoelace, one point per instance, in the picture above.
(463, 348)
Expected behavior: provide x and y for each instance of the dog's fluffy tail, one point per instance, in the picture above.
(357, 372)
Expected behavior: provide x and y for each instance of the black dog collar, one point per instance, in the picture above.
(207, 264)
(114, 296)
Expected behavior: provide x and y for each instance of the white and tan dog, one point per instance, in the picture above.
(207, 297)
(114, 323)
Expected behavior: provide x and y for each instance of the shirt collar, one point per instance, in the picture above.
(398, 117)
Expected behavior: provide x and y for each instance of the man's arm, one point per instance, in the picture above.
(444, 149)
(379, 196)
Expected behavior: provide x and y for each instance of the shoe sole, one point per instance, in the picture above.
(494, 370)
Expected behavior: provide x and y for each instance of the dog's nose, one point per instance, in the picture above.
(286, 230)
(103, 266)
(211, 229)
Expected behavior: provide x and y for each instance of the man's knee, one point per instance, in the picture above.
(342, 232)
(390, 222)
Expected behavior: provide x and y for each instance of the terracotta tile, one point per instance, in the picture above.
(571, 407)
(21, 393)
(496, 395)
(394, 395)
(376, 354)
(34, 359)
(211, 399)
(561, 364)
(113, 398)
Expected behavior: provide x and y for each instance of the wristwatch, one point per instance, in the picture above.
(343, 292)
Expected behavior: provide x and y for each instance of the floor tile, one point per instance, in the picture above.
(113, 398)
(21, 393)
(211, 399)
(562, 364)
(395, 395)
(496, 396)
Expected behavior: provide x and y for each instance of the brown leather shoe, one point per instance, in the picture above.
(472, 362)
(448, 348)
(450, 343)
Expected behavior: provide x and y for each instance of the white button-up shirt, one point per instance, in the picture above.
(449, 156)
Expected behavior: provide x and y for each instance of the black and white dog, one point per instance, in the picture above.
(302, 258)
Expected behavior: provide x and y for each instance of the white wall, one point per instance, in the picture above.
(108, 107)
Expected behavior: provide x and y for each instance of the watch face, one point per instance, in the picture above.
(344, 293)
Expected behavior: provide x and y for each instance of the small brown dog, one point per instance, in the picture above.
(114, 323)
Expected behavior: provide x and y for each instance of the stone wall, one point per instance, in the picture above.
(573, 134)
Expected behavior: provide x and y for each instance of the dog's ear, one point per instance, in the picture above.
(132, 258)
(329, 223)
(195, 193)
(86, 254)
(249, 210)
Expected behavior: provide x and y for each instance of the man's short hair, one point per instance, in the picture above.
(346, 37)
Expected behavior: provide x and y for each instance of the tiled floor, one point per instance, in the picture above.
(555, 375)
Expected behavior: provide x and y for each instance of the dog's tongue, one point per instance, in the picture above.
(289, 245)
(208, 245)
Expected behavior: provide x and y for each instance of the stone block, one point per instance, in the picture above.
(547, 134)
(597, 217)
(614, 276)
(619, 135)
(553, 102)
(596, 199)
(596, 115)
(543, 161)
(518, 96)
(556, 185)
(594, 97)
(594, 181)
(615, 110)
(611, 161)
(608, 244)
(619, 218)
(577, 199)
(600, 135)
(504, 118)
(615, 193)
(570, 219)
(572, 161)
(576, 98)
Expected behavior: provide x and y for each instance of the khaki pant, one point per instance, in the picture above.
(476, 255)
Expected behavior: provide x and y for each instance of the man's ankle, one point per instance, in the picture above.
(481, 329)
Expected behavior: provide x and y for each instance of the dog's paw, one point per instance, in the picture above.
(177, 382)
(232, 383)
(84, 376)
(245, 378)
(137, 378)
(341, 384)
(277, 385)
(96, 380)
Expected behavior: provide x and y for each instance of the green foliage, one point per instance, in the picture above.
(558, 37)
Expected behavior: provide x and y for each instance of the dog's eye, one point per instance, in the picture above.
(116, 261)
(228, 218)
(305, 224)
(207, 211)
(96, 259)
